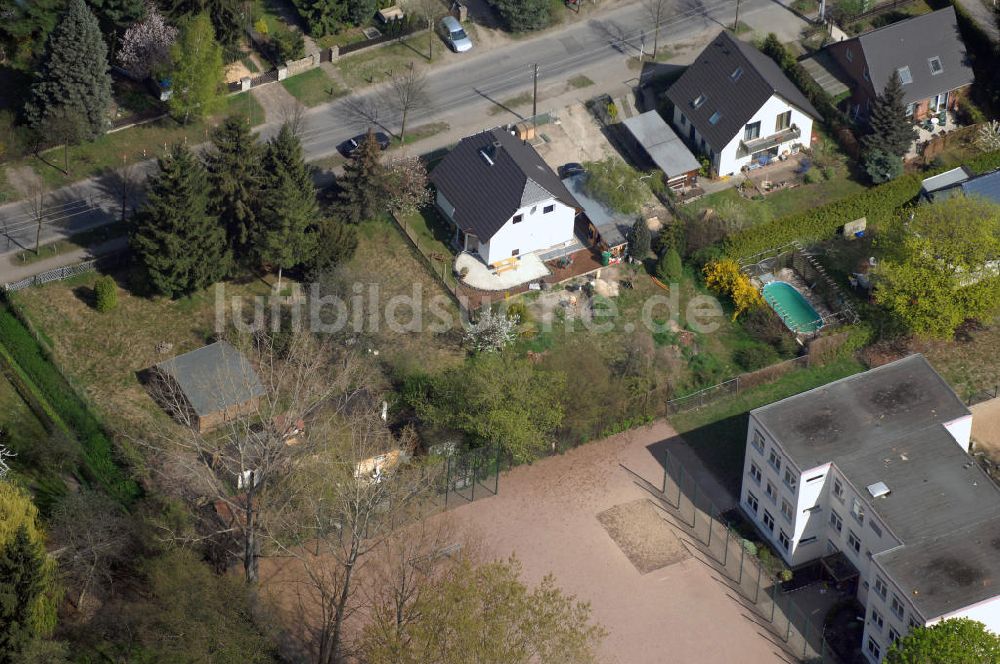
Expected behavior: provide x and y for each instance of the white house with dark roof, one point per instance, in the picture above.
(926, 51)
(872, 473)
(736, 106)
(503, 199)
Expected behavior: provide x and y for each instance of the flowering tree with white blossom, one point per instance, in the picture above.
(146, 45)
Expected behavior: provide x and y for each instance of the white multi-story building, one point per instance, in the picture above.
(873, 472)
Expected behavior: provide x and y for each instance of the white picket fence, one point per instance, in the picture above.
(61, 273)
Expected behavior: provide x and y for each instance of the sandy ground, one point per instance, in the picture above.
(550, 515)
(577, 137)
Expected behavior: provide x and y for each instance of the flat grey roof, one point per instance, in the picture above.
(662, 144)
(827, 73)
(214, 377)
(612, 225)
(946, 179)
(861, 412)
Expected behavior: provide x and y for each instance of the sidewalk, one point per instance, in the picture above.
(11, 272)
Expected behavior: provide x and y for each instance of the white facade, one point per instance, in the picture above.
(731, 158)
(532, 228)
(807, 514)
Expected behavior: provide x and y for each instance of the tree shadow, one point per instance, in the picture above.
(498, 104)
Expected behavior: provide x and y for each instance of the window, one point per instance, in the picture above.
(877, 620)
(698, 101)
(751, 131)
(769, 521)
(877, 529)
(714, 118)
(853, 541)
(757, 441)
(791, 481)
(548, 208)
(755, 472)
(515, 252)
(893, 636)
(836, 521)
(911, 109)
(897, 607)
(904, 75)
(783, 540)
(850, 56)
(518, 218)
(786, 510)
(913, 623)
(752, 502)
(880, 587)
(736, 73)
(775, 460)
(838, 490)
(858, 511)
(783, 121)
(807, 540)
(935, 65)
(771, 492)
(874, 650)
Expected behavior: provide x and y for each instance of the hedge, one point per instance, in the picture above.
(822, 223)
(98, 452)
(984, 163)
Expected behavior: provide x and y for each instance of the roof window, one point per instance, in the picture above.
(904, 75)
(698, 101)
(714, 119)
(736, 73)
(935, 65)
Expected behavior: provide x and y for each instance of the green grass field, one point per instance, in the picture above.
(313, 87)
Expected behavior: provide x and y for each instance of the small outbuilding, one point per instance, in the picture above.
(654, 137)
(607, 229)
(209, 386)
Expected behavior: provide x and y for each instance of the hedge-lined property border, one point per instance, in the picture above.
(99, 463)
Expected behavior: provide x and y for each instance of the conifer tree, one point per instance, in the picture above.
(22, 581)
(889, 130)
(73, 80)
(286, 228)
(235, 171)
(362, 185)
(175, 236)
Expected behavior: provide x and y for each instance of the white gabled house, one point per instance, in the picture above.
(735, 106)
(503, 199)
(871, 477)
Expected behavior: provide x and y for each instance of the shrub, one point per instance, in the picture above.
(756, 356)
(968, 112)
(706, 370)
(669, 268)
(828, 173)
(724, 277)
(639, 240)
(106, 294)
(750, 547)
(810, 177)
(524, 15)
(616, 184)
(984, 163)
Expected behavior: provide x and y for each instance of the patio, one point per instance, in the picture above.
(930, 129)
(480, 276)
(776, 176)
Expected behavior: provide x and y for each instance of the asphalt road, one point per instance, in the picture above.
(460, 94)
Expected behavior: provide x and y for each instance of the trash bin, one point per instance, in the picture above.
(605, 258)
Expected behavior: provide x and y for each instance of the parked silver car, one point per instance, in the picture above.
(454, 35)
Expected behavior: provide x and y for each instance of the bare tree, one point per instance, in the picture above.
(353, 493)
(429, 11)
(126, 185)
(5, 454)
(236, 474)
(93, 536)
(655, 12)
(407, 92)
(35, 191)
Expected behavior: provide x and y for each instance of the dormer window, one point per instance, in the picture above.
(736, 74)
(904, 75)
(935, 65)
(698, 101)
(714, 118)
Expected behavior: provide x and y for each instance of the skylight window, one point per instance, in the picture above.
(935, 65)
(904, 75)
(698, 101)
(736, 73)
(714, 119)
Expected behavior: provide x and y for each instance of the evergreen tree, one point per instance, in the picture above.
(197, 72)
(226, 16)
(669, 267)
(889, 130)
(525, 15)
(116, 15)
(25, 28)
(235, 171)
(73, 79)
(882, 167)
(362, 185)
(286, 229)
(177, 239)
(21, 583)
(639, 240)
(335, 244)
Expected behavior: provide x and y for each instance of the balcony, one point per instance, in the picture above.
(767, 142)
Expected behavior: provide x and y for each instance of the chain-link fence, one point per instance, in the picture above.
(798, 629)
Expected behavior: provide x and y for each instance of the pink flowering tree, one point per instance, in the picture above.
(146, 45)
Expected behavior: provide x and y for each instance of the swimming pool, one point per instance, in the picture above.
(792, 306)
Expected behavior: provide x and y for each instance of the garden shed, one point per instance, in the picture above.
(648, 133)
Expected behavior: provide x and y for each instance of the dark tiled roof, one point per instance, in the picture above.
(214, 377)
(911, 43)
(735, 98)
(486, 195)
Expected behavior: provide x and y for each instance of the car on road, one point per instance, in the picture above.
(454, 35)
(351, 145)
(571, 169)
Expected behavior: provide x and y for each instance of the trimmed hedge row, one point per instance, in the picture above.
(822, 223)
(98, 452)
(984, 163)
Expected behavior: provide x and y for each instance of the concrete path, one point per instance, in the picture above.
(277, 102)
(15, 272)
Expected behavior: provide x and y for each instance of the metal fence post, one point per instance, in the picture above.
(788, 631)
(725, 549)
(756, 592)
(743, 552)
(680, 484)
(694, 506)
(711, 522)
(666, 466)
(774, 599)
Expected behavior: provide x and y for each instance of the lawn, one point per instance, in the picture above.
(377, 64)
(717, 432)
(313, 87)
(970, 364)
(136, 144)
(580, 81)
(424, 131)
(510, 104)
